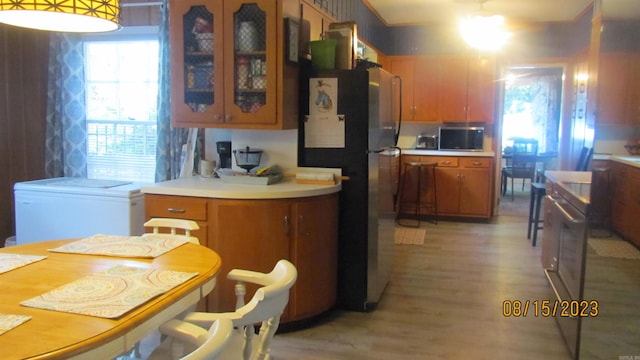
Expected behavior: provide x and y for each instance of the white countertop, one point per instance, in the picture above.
(448, 153)
(215, 188)
(629, 160)
(583, 177)
(625, 159)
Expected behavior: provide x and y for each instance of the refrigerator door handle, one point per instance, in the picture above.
(397, 134)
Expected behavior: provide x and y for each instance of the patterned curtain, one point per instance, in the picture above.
(547, 93)
(170, 140)
(65, 147)
(536, 99)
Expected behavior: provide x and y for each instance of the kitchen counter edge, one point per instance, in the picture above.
(197, 186)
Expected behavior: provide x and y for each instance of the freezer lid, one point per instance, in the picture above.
(72, 185)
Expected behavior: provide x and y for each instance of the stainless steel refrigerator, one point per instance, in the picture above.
(368, 102)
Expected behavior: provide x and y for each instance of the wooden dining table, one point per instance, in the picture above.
(53, 334)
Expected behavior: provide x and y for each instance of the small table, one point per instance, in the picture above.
(543, 158)
(60, 335)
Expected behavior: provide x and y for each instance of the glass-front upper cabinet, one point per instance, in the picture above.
(251, 58)
(227, 68)
(196, 70)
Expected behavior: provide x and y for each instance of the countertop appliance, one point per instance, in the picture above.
(224, 151)
(369, 101)
(61, 208)
(461, 138)
(427, 142)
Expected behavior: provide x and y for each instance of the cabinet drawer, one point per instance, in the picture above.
(475, 162)
(178, 207)
(446, 161)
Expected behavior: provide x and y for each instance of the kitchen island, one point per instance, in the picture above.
(600, 284)
(253, 226)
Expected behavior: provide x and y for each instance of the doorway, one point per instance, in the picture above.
(532, 105)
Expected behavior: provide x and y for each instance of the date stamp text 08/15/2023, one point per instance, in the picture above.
(550, 308)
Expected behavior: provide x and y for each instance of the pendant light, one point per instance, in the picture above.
(62, 15)
(484, 31)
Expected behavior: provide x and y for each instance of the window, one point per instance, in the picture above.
(121, 87)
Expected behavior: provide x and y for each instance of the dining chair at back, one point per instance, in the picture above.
(172, 225)
(521, 164)
(585, 159)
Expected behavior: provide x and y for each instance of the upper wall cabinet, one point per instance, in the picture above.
(614, 90)
(419, 88)
(227, 65)
(446, 88)
(468, 90)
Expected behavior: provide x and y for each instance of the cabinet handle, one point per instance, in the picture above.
(476, 163)
(217, 117)
(176, 211)
(227, 117)
(446, 162)
(286, 225)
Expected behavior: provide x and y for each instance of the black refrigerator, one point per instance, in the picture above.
(367, 101)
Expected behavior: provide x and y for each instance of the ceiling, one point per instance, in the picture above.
(407, 12)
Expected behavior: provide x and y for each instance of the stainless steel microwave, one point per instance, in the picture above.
(461, 138)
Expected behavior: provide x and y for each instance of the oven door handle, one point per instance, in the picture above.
(567, 215)
(555, 290)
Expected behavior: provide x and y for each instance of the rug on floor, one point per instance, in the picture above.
(614, 248)
(408, 236)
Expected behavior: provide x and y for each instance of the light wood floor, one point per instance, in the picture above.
(445, 301)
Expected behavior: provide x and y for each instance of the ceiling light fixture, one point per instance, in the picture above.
(483, 31)
(62, 15)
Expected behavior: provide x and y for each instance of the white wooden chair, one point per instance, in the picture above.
(173, 225)
(194, 341)
(265, 307)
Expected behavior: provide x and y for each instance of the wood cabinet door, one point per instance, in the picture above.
(404, 68)
(620, 198)
(250, 235)
(481, 88)
(448, 190)
(315, 255)
(475, 191)
(426, 86)
(453, 89)
(633, 105)
(613, 77)
(633, 208)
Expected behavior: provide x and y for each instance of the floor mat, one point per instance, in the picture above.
(614, 248)
(410, 236)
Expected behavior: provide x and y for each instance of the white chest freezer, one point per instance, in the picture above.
(62, 208)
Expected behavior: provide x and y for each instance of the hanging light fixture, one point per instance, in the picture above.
(62, 15)
(484, 31)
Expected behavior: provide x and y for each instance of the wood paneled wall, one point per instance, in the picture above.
(23, 99)
(24, 55)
